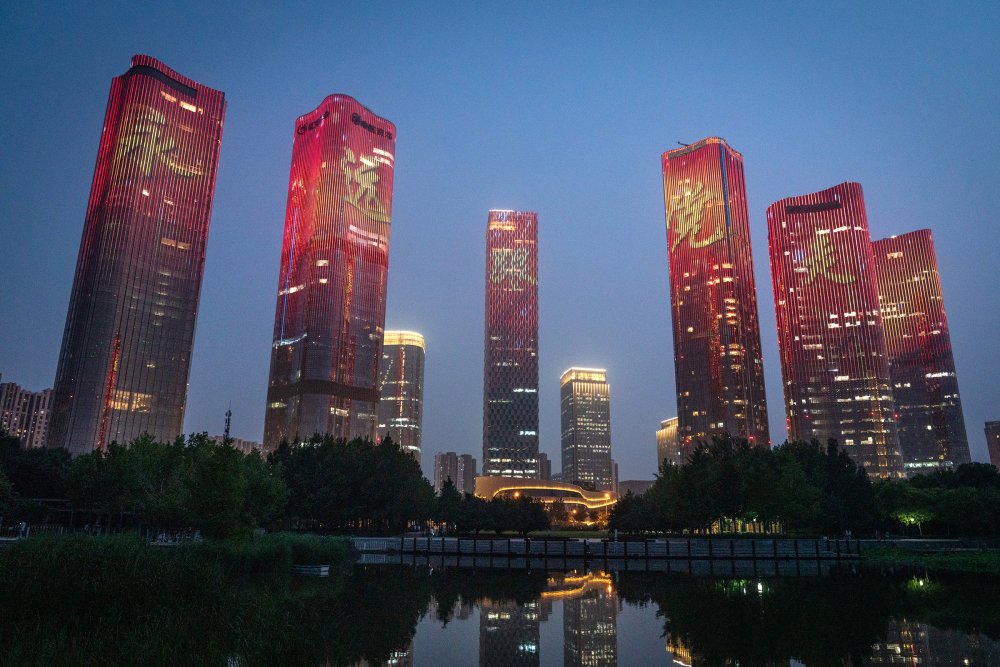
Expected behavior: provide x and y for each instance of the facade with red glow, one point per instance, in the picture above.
(830, 336)
(126, 350)
(330, 313)
(713, 297)
(921, 366)
(510, 373)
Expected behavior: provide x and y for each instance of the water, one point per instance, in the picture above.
(504, 617)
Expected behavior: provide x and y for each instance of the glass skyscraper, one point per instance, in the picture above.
(830, 335)
(401, 382)
(713, 297)
(330, 312)
(510, 373)
(585, 400)
(930, 423)
(126, 350)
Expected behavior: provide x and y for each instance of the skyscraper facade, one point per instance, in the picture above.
(25, 414)
(330, 312)
(930, 422)
(459, 468)
(510, 373)
(667, 444)
(126, 350)
(830, 334)
(401, 386)
(993, 442)
(585, 400)
(713, 297)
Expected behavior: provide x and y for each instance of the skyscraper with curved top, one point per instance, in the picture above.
(510, 373)
(918, 343)
(330, 312)
(126, 350)
(833, 351)
(713, 296)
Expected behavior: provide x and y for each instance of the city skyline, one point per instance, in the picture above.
(583, 156)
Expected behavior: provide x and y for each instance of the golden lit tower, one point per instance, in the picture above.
(585, 399)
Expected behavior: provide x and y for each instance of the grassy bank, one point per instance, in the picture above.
(974, 562)
(65, 598)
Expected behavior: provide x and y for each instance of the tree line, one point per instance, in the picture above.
(323, 485)
(804, 487)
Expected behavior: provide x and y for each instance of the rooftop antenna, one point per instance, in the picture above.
(229, 420)
(681, 143)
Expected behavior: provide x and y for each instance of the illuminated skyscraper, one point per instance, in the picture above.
(993, 442)
(921, 366)
(510, 374)
(126, 349)
(401, 382)
(713, 298)
(833, 354)
(585, 400)
(25, 414)
(667, 445)
(330, 310)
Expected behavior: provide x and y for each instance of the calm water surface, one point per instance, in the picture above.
(518, 617)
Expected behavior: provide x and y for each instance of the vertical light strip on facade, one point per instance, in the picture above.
(126, 351)
(830, 336)
(717, 355)
(921, 365)
(510, 373)
(330, 310)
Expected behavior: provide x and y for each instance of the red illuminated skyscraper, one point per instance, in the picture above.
(713, 298)
(921, 366)
(833, 354)
(330, 314)
(126, 349)
(510, 393)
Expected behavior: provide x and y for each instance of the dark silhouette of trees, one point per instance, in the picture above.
(336, 485)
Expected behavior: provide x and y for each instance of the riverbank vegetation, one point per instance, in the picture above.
(806, 488)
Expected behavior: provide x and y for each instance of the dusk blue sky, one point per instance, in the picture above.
(562, 109)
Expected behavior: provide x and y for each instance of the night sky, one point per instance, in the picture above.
(564, 111)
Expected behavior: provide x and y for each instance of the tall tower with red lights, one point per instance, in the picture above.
(126, 350)
(510, 369)
(830, 335)
(921, 365)
(713, 296)
(330, 312)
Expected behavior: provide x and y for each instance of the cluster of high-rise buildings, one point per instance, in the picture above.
(864, 344)
(865, 351)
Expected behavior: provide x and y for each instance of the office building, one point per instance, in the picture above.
(667, 444)
(929, 417)
(459, 468)
(126, 349)
(830, 334)
(585, 401)
(25, 414)
(713, 297)
(330, 311)
(510, 369)
(993, 442)
(401, 383)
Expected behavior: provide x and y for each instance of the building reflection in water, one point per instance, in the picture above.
(509, 633)
(909, 643)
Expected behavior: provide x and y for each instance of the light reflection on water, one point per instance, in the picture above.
(600, 618)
